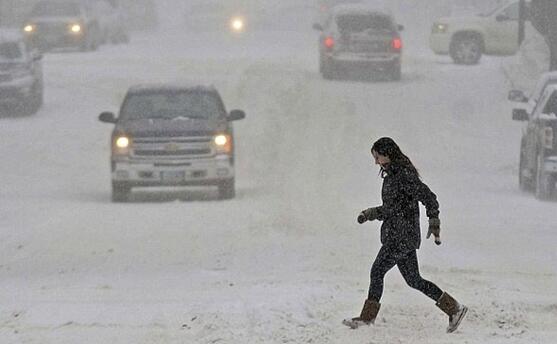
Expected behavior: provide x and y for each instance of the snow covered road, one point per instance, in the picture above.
(285, 261)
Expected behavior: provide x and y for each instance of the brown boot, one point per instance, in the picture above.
(367, 316)
(453, 309)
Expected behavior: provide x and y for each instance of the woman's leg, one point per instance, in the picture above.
(408, 266)
(383, 263)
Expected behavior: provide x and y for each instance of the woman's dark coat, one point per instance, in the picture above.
(400, 213)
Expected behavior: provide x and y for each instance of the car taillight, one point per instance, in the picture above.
(329, 42)
(547, 137)
(396, 44)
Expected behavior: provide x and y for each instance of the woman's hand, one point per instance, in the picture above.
(369, 214)
(435, 229)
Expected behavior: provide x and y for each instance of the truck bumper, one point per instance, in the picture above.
(383, 61)
(173, 173)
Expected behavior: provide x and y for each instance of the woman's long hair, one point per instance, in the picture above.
(388, 147)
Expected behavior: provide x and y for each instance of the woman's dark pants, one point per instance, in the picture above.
(407, 262)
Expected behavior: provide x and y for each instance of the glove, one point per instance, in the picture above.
(369, 214)
(435, 229)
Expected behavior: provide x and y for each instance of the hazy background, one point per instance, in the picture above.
(285, 261)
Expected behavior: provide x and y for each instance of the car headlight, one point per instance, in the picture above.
(223, 143)
(75, 28)
(440, 28)
(237, 24)
(121, 145)
(29, 28)
(122, 142)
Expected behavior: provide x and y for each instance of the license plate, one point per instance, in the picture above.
(173, 176)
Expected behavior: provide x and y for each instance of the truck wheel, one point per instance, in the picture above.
(544, 181)
(227, 189)
(466, 50)
(120, 192)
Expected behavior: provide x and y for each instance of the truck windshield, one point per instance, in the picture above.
(352, 23)
(55, 9)
(10, 51)
(171, 105)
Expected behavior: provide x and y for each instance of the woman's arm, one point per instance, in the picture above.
(421, 192)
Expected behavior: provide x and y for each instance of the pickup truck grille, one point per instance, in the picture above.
(52, 28)
(172, 148)
(180, 152)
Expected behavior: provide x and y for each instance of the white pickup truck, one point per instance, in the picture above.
(466, 38)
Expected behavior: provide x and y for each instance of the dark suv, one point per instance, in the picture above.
(172, 135)
(62, 24)
(357, 36)
(538, 149)
(21, 75)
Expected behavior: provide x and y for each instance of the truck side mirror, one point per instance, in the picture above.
(517, 96)
(236, 115)
(520, 115)
(107, 117)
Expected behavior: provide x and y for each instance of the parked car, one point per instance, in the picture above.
(358, 36)
(538, 148)
(62, 24)
(172, 135)
(21, 75)
(466, 38)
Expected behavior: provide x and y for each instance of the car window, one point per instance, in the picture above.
(169, 105)
(351, 23)
(551, 105)
(55, 9)
(540, 106)
(11, 50)
(541, 85)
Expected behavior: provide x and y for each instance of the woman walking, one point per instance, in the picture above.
(400, 233)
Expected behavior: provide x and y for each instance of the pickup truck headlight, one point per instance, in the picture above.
(121, 145)
(237, 24)
(75, 29)
(122, 142)
(439, 28)
(223, 144)
(29, 28)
